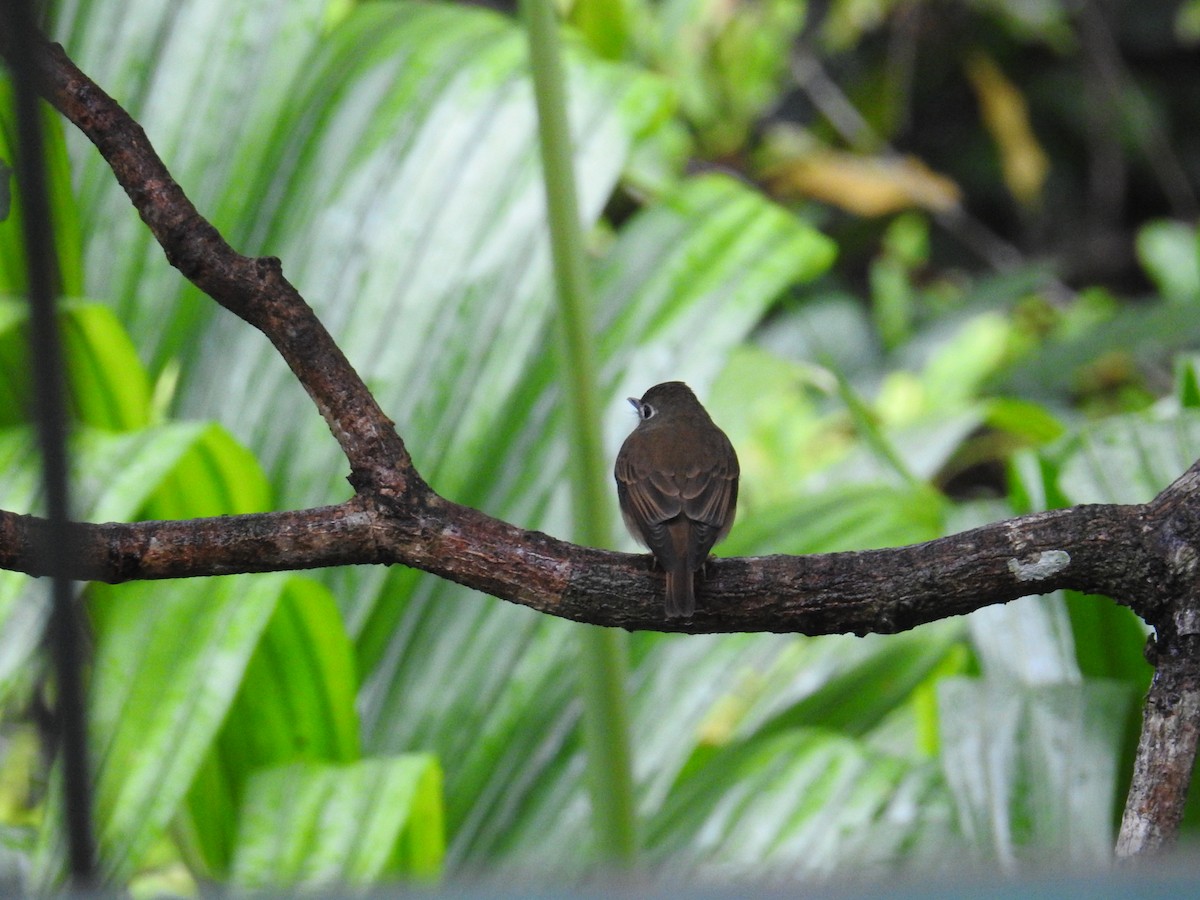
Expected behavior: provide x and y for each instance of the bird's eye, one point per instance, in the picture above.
(646, 410)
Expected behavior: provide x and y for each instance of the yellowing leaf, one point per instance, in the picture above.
(1006, 117)
(866, 186)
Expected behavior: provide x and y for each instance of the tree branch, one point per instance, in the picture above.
(252, 288)
(1166, 753)
(1096, 549)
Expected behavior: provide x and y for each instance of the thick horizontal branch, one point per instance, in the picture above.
(1115, 550)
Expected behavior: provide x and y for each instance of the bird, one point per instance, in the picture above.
(677, 483)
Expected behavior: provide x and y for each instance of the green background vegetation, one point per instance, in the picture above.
(1009, 325)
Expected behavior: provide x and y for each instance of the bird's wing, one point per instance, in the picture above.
(654, 497)
(709, 492)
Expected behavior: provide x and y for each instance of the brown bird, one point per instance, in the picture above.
(677, 480)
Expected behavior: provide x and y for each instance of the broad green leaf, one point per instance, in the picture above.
(167, 664)
(1110, 639)
(107, 386)
(1028, 640)
(5, 189)
(704, 702)
(15, 390)
(1127, 459)
(849, 684)
(851, 517)
(604, 25)
(1033, 482)
(1029, 421)
(215, 476)
(800, 805)
(1033, 769)
(296, 703)
(956, 371)
(316, 826)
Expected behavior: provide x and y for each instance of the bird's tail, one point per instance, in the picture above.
(681, 591)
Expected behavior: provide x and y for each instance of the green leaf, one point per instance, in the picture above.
(167, 664)
(324, 826)
(1028, 640)
(1126, 459)
(1030, 421)
(955, 373)
(1033, 769)
(228, 74)
(849, 517)
(107, 385)
(604, 25)
(6, 173)
(295, 703)
(1170, 254)
(863, 680)
(705, 702)
(1110, 642)
(1187, 380)
(802, 804)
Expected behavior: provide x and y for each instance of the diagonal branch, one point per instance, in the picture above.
(254, 289)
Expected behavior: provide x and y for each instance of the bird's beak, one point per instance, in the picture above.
(635, 403)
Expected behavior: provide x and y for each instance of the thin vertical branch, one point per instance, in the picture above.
(50, 406)
(1166, 753)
